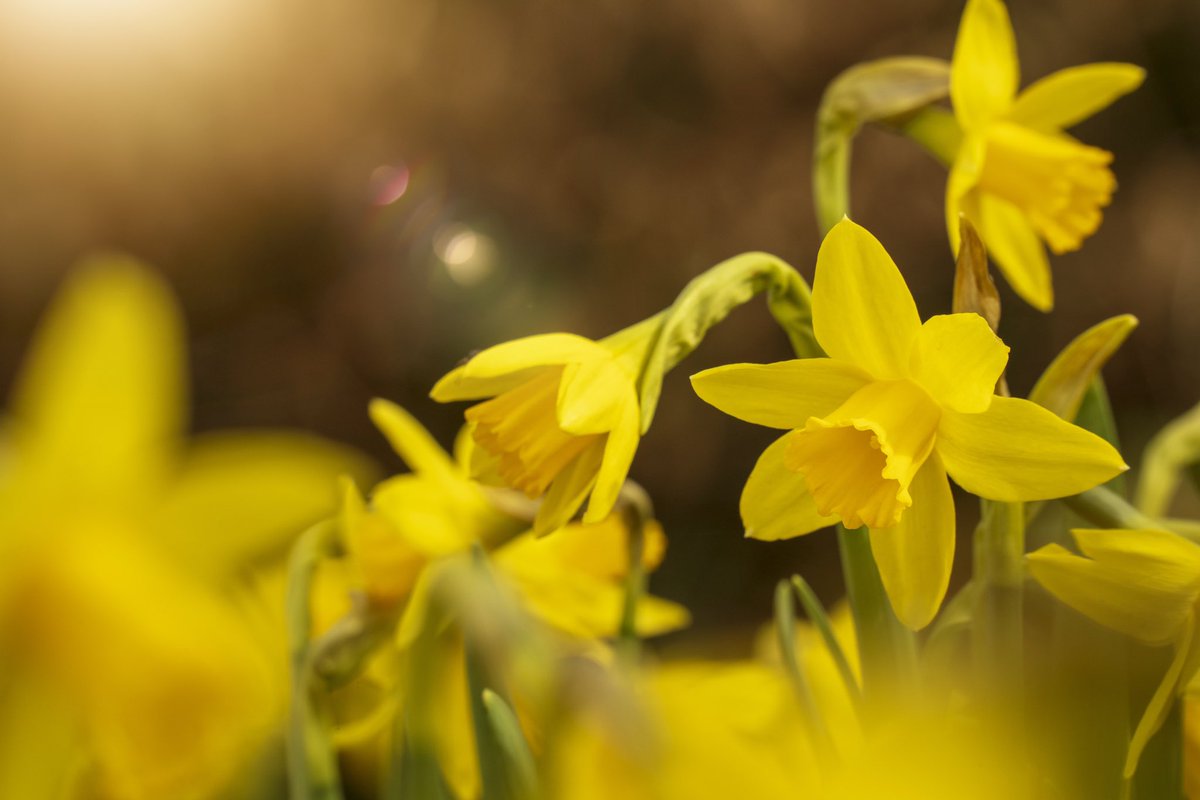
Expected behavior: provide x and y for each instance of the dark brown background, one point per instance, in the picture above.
(605, 152)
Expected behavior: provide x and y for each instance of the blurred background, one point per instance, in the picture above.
(351, 196)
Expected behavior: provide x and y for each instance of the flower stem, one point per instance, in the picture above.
(888, 649)
(999, 575)
(637, 511)
(311, 759)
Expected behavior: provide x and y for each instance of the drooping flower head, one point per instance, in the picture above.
(1018, 178)
(561, 422)
(874, 428)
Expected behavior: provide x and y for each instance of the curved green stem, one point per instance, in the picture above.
(311, 759)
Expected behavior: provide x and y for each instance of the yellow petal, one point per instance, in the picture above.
(656, 616)
(984, 71)
(240, 497)
(40, 752)
(614, 468)
(592, 395)
(1164, 696)
(178, 693)
(1017, 450)
(915, 555)
(780, 395)
(1018, 251)
(558, 580)
(1142, 583)
(101, 397)
(863, 312)
(1063, 98)
(600, 550)
(776, 503)
(500, 368)
(964, 175)
(568, 491)
(412, 442)
(583, 606)
(958, 359)
(431, 521)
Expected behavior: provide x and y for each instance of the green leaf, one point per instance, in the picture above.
(785, 632)
(816, 614)
(520, 769)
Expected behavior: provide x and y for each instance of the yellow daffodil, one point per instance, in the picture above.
(874, 428)
(120, 546)
(1018, 178)
(1142, 583)
(572, 581)
(563, 419)
(705, 730)
(713, 730)
(416, 523)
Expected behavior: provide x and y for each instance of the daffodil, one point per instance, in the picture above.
(562, 421)
(710, 730)
(572, 581)
(1142, 583)
(697, 729)
(415, 524)
(874, 428)
(120, 546)
(1018, 178)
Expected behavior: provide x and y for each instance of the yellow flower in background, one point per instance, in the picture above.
(1018, 178)
(874, 429)
(562, 422)
(1142, 583)
(415, 523)
(120, 547)
(572, 581)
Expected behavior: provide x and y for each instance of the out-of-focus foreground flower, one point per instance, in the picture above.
(1018, 178)
(1143, 583)
(711, 730)
(120, 545)
(875, 428)
(418, 526)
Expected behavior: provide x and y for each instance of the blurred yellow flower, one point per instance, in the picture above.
(118, 543)
(700, 730)
(562, 422)
(1018, 178)
(413, 524)
(1143, 583)
(711, 730)
(875, 428)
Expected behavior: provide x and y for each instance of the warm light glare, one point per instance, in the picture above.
(114, 24)
(466, 253)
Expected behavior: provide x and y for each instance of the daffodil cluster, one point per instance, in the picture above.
(258, 614)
